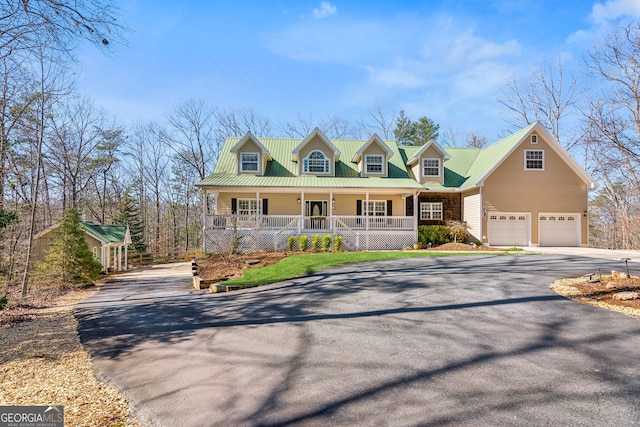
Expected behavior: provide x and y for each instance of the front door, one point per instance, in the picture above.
(317, 210)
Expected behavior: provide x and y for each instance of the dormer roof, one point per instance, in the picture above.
(431, 143)
(374, 139)
(249, 137)
(316, 132)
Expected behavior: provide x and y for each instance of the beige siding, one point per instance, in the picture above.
(472, 213)
(224, 201)
(42, 243)
(374, 148)
(430, 153)
(557, 188)
(287, 203)
(250, 147)
(316, 144)
(282, 204)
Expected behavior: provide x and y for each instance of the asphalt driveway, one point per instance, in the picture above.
(471, 340)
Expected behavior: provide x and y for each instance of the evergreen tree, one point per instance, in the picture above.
(128, 213)
(68, 260)
(409, 132)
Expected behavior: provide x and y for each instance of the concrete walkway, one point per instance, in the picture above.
(614, 255)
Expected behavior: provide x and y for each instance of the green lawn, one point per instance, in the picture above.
(298, 265)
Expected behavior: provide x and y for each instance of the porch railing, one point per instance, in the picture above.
(306, 223)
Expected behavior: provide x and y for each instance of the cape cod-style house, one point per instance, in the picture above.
(524, 190)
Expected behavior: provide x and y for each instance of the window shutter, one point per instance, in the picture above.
(234, 206)
(358, 207)
(389, 208)
(265, 206)
(409, 206)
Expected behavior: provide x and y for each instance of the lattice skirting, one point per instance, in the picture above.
(221, 241)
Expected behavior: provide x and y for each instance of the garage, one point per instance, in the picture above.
(559, 229)
(509, 229)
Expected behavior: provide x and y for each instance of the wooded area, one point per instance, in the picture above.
(59, 150)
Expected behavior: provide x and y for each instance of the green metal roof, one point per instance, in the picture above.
(466, 168)
(107, 233)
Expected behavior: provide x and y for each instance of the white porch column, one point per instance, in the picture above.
(205, 200)
(331, 220)
(301, 220)
(416, 214)
(366, 211)
(126, 257)
(103, 258)
(120, 258)
(258, 209)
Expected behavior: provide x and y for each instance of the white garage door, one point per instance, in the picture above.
(508, 229)
(559, 229)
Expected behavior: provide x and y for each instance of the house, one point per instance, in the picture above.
(524, 190)
(107, 242)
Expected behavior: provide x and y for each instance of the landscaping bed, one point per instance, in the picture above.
(610, 293)
(43, 363)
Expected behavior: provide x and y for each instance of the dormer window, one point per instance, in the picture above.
(316, 162)
(249, 162)
(430, 167)
(373, 163)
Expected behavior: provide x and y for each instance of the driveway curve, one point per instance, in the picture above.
(469, 340)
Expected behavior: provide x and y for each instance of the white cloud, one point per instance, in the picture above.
(468, 47)
(325, 9)
(613, 9)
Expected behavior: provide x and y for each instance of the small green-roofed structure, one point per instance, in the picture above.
(107, 242)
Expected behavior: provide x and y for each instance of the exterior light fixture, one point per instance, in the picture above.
(333, 201)
(584, 214)
(298, 199)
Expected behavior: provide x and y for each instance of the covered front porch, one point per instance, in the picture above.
(264, 221)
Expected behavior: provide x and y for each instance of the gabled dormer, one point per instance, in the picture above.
(428, 163)
(372, 158)
(251, 156)
(316, 155)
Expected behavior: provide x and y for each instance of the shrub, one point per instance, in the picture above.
(326, 242)
(291, 242)
(3, 302)
(315, 242)
(303, 243)
(434, 234)
(337, 243)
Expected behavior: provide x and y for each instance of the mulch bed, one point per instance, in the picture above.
(43, 363)
(602, 293)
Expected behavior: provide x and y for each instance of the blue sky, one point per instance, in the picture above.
(446, 59)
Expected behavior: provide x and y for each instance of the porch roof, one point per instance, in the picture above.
(231, 180)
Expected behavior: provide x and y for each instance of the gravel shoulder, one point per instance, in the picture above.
(43, 363)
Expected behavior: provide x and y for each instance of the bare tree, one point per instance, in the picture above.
(380, 121)
(192, 136)
(549, 95)
(83, 146)
(49, 89)
(25, 25)
(612, 131)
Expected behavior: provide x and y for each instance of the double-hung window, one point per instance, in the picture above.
(534, 159)
(249, 162)
(429, 210)
(376, 207)
(316, 162)
(373, 163)
(430, 167)
(247, 207)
